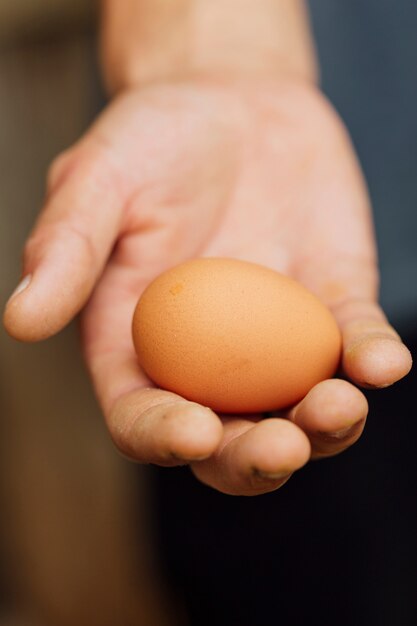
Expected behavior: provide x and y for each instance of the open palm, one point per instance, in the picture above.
(260, 171)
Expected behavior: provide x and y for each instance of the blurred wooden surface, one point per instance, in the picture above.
(32, 18)
(74, 531)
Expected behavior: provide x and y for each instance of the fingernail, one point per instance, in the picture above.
(24, 283)
(371, 386)
(343, 433)
(271, 475)
(186, 460)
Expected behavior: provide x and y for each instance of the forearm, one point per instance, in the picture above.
(148, 40)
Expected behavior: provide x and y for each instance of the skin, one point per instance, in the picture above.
(210, 166)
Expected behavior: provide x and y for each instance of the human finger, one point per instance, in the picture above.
(69, 244)
(373, 353)
(147, 424)
(154, 426)
(254, 457)
(332, 415)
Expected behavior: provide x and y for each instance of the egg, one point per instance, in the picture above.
(234, 336)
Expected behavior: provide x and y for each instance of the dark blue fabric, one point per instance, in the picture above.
(368, 56)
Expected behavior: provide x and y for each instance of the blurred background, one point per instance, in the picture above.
(87, 538)
(74, 543)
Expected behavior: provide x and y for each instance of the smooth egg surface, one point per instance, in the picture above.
(234, 336)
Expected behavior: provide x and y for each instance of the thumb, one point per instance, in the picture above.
(68, 247)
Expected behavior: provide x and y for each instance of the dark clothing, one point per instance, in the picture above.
(337, 545)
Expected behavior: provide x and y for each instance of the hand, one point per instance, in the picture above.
(256, 170)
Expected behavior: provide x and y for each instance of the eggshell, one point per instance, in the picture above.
(235, 336)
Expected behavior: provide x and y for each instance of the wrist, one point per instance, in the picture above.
(146, 41)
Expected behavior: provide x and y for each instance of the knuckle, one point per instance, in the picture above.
(82, 239)
(61, 234)
(122, 420)
(31, 249)
(122, 438)
(90, 164)
(57, 169)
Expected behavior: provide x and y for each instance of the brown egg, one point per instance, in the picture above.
(234, 336)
